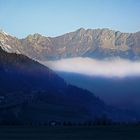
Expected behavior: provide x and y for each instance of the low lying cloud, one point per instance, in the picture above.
(92, 67)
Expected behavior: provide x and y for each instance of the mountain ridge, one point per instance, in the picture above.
(94, 43)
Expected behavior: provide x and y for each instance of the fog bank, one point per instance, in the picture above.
(92, 67)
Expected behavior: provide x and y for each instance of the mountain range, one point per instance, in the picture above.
(94, 43)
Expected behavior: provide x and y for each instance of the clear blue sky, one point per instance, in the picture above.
(55, 17)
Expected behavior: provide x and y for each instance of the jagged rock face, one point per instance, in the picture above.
(98, 43)
(37, 46)
(10, 44)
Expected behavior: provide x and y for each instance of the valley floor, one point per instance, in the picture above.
(116, 132)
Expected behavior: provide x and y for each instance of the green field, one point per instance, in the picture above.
(117, 132)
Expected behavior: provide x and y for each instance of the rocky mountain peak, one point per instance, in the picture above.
(35, 36)
(81, 30)
(3, 32)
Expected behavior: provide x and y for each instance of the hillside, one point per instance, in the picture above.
(30, 92)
